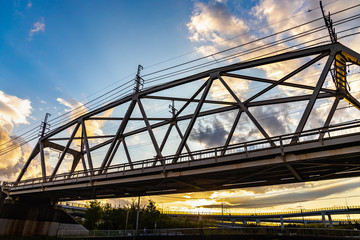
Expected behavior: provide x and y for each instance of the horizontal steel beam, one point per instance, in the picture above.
(187, 99)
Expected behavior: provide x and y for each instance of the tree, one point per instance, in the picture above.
(93, 215)
(106, 217)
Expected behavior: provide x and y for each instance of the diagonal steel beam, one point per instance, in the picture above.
(64, 151)
(193, 119)
(245, 109)
(232, 130)
(353, 101)
(165, 139)
(191, 99)
(149, 129)
(119, 132)
(293, 171)
(75, 163)
(87, 148)
(287, 84)
(314, 96)
(166, 136)
(112, 155)
(127, 154)
(296, 71)
(48, 144)
(181, 137)
(330, 116)
(33, 154)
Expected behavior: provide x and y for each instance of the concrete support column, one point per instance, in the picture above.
(244, 222)
(330, 220)
(282, 221)
(323, 218)
(34, 217)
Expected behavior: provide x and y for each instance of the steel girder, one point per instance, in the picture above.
(112, 142)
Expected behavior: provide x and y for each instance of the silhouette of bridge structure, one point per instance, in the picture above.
(101, 165)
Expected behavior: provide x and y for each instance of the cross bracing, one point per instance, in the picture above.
(206, 95)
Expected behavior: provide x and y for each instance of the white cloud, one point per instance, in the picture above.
(214, 21)
(76, 109)
(13, 111)
(39, 26)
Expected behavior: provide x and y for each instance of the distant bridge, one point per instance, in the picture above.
(302, 216)
(329, 152)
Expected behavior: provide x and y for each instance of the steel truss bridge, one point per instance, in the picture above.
(328, 152)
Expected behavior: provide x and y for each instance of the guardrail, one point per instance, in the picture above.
(304, 211)
(246, 147)
(268, 231)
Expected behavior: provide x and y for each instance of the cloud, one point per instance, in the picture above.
(284, 195)
(76, 108)
(39, 26)
(213, 21)
(13, 111)
(276, 119)
(209, 133)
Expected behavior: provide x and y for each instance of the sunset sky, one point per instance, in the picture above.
(57, 55)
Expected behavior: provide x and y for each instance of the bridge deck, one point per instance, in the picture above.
(250, 164)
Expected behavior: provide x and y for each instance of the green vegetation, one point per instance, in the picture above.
(105, 217)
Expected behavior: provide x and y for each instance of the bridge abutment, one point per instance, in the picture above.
(33, 217)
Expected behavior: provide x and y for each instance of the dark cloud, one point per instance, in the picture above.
(273, 118)
(211, 133)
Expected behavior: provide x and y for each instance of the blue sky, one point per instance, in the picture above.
(84, 43)
(55, 54)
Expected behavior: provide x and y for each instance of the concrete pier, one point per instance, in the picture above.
(32, 217)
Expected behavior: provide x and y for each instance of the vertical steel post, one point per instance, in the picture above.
(42, 159)
(137, 217)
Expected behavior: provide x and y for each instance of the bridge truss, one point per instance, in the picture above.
(233, 98)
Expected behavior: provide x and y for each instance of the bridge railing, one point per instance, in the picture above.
(304, 211)
(317, 134)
